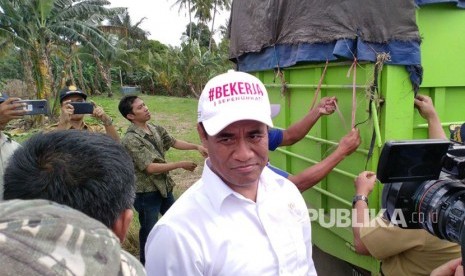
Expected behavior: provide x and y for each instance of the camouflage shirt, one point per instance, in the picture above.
(146, 149)
(40, 237)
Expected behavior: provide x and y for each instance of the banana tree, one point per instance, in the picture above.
(36, 26)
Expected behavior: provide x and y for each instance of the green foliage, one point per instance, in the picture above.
(10, 66)
(65, 39)
(200, 32)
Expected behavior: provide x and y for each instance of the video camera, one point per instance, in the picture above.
(424, 186)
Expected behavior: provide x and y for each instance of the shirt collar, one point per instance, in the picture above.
(3, 138)
(138, 130)
(217, 191)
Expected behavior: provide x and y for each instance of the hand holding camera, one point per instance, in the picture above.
(99, 113)
(364, 183)
(11, 109)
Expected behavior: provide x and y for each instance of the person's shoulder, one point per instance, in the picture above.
(50, 127)
(131, 133)
(56, 229)
(158, 128)
(274, 131)
(272, 177)
(275, 138)
(6, 140)
(191, 204)
(130, 266)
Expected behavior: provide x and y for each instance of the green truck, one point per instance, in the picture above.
(377, 96)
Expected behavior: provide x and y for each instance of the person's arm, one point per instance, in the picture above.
(64, 121)
(9, 111)
(364, 184)
(314, 174)
(166, 167)
(298, 130)
(148, 160)
(183, 145)
(425, 106)
(107, 122)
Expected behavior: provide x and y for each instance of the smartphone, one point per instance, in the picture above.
(82, 107)
(35, 107)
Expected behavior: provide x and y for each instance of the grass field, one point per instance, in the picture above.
(179, 117)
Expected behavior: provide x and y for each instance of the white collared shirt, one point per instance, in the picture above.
(7, 147)
(212, 230)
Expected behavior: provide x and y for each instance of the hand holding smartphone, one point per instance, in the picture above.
(34, 107)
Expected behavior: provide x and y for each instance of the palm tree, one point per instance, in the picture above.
(218, 5)
(182, 4)
(37, 26)
(121, 25)
(206, 10)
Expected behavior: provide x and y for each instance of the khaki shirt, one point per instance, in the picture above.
(406, 251)
(146, 149)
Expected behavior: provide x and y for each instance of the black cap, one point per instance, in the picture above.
(69, 91)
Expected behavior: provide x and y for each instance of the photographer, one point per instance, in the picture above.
(404, 251)
(69, 120)
(8, 111)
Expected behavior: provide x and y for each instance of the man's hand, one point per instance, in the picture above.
(187, 165)
(364, 183)
(327, 105)
(202, 151)
(451, 268)
(425, 106)
(99, 113)
(350, 142)
(10, 110)
(67, 110)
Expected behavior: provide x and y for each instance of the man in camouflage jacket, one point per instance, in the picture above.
(40, 237)
(147, 144)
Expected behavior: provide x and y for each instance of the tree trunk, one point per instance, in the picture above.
(108, 82)
(192, 89)
(82, 83)
(44, 77)
(104, 74)
(211, 31)
(190, 20)
(26, 61)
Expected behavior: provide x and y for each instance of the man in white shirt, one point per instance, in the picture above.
(9, 110)
(240, 218)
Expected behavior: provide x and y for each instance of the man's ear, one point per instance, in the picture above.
(202, 133)
(130, 116)
(121, 225)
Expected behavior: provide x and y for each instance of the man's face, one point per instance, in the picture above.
(140, 112)
(238, 153)
(73, 99)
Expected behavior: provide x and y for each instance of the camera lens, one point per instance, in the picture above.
(440, 207)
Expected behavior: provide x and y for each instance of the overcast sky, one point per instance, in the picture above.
(163, 22)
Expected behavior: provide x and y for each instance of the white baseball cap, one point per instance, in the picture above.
(231, 97)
